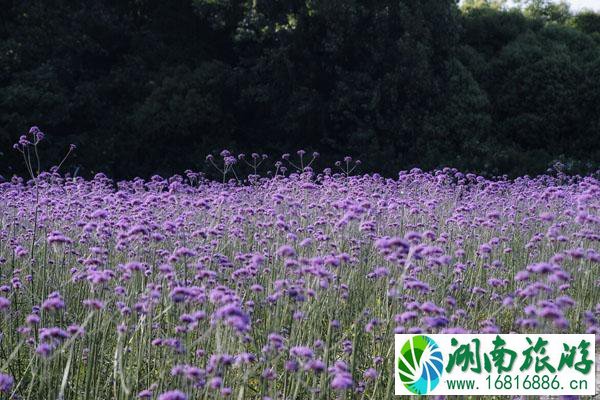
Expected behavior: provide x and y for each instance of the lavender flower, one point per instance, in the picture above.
(6, 383)
(173, 395)
(4, 303)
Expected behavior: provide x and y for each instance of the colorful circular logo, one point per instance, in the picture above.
(420, 364)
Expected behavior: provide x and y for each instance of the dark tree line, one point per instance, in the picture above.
(148, 86)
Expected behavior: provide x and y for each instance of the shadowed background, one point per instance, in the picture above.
(147, 86)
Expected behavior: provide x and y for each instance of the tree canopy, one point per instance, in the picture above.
(149, 86)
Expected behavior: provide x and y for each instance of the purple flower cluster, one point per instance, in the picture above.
(290, 286)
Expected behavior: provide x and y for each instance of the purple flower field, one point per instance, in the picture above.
(288, 287)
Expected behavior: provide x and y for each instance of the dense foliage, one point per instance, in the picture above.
(288, 288)
(151, 86)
